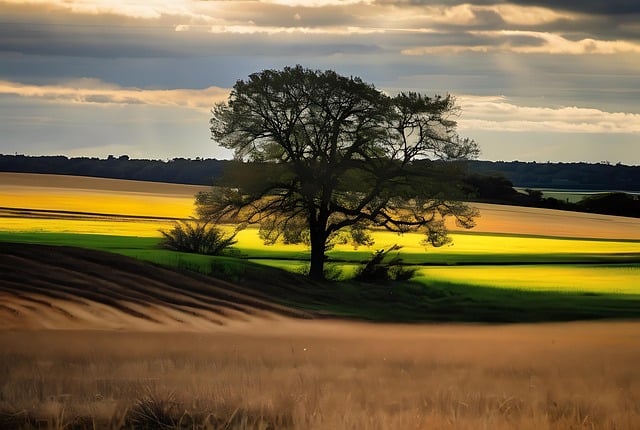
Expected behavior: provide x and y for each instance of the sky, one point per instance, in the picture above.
(535, 80)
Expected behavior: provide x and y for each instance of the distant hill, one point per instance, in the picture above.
(579, 176)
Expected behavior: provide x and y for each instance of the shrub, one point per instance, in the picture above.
(376, 269)
(154, 412)
(200, 237)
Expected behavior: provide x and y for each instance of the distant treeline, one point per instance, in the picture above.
(178, 170)
(487, 181)
(579, 176)
(574, 176)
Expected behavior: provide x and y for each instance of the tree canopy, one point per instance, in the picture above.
(333, 156)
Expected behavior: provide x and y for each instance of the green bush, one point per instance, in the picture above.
(200, 237)
(376, 269)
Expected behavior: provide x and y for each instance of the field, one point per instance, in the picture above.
(255, 350)
(321, 375)
(519, 249)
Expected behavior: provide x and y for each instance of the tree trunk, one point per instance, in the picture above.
(316, 270)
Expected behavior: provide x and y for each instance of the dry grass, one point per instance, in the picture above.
(326, 375)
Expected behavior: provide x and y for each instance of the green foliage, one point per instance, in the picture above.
(376, 269)
(199, 237)
(612, 203)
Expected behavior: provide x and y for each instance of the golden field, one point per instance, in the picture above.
(328, 375)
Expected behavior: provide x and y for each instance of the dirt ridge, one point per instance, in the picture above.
(64, 287)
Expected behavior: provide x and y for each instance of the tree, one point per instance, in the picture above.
(332, 156)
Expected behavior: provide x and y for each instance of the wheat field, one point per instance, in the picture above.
(326, 375)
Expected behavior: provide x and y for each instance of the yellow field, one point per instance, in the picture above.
(96, 201)
(118, 228)
(586, 279)
(498, 244)
(108, 196)
(133, 198)
(95, 196)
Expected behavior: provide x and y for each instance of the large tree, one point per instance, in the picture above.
(332, 156)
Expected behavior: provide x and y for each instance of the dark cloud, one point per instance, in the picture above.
(606, 7)
(125, 42)
(50, 45)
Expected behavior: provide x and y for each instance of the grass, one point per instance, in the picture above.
(325, 375)
(94, 241)
(425, 298)
(512, 264)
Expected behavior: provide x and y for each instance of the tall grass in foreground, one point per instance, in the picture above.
(326, 376)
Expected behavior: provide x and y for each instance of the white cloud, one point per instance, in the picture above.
(527, 15)
(318, 3)
(556, 44)
(92, 91)
(256, 29)
(467, 14)
(498, 114)
(147, 10)
(478, 113)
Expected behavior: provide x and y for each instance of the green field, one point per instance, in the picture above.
(492, 261)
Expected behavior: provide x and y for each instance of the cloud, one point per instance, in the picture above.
(255, 29)
(609, 7)
(181, 28)
(515, 41)
(150, 9)
(318, 3)
(556, 44)
(498, 114)
(95, 92)
(479, 113)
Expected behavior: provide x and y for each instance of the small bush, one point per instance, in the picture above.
(200, 237)
(154, 412)
(376, 269)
